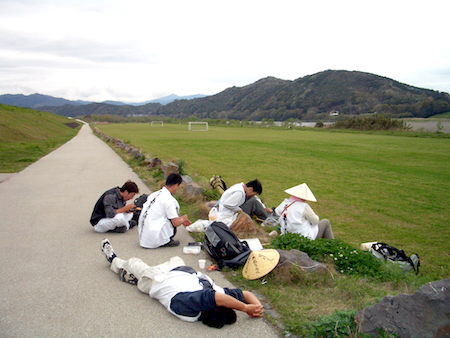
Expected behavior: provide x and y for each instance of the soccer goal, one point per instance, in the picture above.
(157, 124)
(198, 126)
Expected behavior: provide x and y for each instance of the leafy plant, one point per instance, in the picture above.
(181, 163)
(338, 324)
(347, 259)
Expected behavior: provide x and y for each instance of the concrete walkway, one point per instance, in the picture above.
(55, 281)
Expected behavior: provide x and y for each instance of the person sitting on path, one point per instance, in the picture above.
(185, 293)
(159, 216)
(111, 212)
(242, 197)
(296, 216)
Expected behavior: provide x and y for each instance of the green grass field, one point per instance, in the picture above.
(372, 187)
(26, 135)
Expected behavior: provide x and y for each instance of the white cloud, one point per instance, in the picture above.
(143, 49)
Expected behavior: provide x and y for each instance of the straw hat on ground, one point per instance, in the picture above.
(302, 191)
(260, 263)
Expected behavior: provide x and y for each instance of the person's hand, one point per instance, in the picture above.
(130, 207)
(185, 220)
(254, 310)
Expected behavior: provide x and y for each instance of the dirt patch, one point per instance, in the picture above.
(73, 125)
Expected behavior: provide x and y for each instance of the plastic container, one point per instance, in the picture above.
(201, 263)
(192, 250)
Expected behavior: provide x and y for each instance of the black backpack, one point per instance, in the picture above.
(139, 203)
(397, 256)
(223, 246)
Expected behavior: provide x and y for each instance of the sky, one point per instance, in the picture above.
(140, 50)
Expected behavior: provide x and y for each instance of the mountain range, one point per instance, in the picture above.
(36, 101)
(308, 98)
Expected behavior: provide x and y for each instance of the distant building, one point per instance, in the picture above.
(334, 113)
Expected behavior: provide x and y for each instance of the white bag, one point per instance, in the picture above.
(198, 226)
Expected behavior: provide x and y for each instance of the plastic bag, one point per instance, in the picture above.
(198, 226)
(271, 220)
(213, 214)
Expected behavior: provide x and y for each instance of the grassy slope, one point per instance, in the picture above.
(26, 135)
(371, 187)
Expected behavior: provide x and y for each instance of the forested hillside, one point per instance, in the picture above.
(309, 97)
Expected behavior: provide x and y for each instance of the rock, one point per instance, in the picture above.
(210, 204)
(300, 259)
(147, 161)
(243, 226)
(191, 188)
(136, 153)
(421, 315)
(156, 163)
(171, 168)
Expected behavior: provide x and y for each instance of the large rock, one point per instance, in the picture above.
(300, 259)
(421, 315)
(191, 188)
(155, 163)
(171, 168)
(243, 226)
(147, 161)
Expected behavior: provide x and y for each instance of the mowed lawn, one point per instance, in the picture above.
(382, 188)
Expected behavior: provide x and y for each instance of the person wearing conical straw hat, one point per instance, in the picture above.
(296, 215)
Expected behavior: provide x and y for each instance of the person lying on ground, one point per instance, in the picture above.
(296, 216)
(189, 295)
(111, 213)
(242, 198)
(159, 216)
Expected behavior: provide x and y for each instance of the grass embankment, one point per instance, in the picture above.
(372, 187)
(26, 135)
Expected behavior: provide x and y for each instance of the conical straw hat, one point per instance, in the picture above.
(302, 191)
(260, 263)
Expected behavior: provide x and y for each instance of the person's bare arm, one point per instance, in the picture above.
(253, 307)
(126, 208)
(183, 220)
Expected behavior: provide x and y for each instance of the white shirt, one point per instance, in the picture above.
(230, 202)
(298, 218)
(155, 227)
(165, 287)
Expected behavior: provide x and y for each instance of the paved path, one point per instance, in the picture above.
(55, 281)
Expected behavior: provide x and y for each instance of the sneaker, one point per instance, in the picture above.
(133, 223)
(171, 243)
(108, 250)
(127, 277)
(120, 230)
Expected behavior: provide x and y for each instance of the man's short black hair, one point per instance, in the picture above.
(130, 187)
(173, 179)
(256, 185)
(218, 317)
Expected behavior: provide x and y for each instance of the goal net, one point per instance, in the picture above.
(198, 126)
(157, 123)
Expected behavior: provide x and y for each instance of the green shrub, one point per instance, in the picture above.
(347, 259)
(319, 124)
(374, 122)
(338, 324)
(181, 163)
